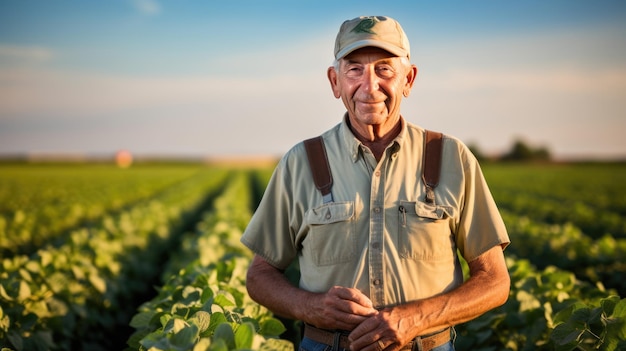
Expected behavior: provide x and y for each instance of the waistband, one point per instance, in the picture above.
(340, 339)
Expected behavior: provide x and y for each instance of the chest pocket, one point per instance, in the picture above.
(424, 232)
(331, 238)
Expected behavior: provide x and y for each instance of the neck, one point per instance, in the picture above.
(376, 141)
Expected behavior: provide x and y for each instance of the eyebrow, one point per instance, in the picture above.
(388, 60)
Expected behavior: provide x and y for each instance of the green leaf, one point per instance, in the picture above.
(164, 319)
(608, 304)
(207, 294)
(244, 335)
(33, 267)
(57, 282)
(4, 295)
(218, 345)
(581, 317)
(202, 345)
(616, 324)
(43, 340)
(225, 332)
(175, 325)
(155, 341)
(185, 338)
(224, 299)
(16, 340)
(271, 327)
(136, 337)
(40, 308)
(565, 314)
(217, 319)
(28, 321)
(527, 301)
(46, 257)
(190, 295)
(202, 319)
(98, 283)
(5, 322)
(276, 345)
(620, 309)
(57, 307)
(24, 291)
(142, 319)
(566, 337)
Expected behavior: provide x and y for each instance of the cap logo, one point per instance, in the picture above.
(366, 25)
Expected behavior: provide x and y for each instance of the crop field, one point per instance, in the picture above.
(96, 257)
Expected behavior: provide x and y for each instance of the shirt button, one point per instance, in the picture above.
(376, 281)
(376, 209)
(377, 173)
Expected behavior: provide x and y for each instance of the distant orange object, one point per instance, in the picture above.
(123, 158)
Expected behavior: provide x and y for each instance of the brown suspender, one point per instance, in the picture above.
(318, 161)
(320, 168)
(433, 143)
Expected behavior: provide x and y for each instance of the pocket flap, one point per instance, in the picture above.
(432, 211)
(330, 213)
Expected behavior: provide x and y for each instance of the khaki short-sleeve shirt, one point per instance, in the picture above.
(379, 235)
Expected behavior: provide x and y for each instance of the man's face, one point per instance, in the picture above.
(371, 83)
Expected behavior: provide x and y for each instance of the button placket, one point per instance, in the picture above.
(376, 244)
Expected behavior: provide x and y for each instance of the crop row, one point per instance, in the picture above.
(203, 304)
(597, 186)
(587, 196)
(41, 203)
(567, 247)
(548, 310)
(77, 295)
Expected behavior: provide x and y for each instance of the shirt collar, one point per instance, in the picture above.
(353, 144)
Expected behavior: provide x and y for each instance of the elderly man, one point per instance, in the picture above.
(377, 250)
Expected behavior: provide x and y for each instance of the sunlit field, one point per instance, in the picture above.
(147, 257)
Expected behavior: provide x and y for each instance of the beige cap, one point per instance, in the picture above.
(378, 31)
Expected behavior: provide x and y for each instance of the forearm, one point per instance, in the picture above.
(488, 287)
(339, 308)
(270, 288)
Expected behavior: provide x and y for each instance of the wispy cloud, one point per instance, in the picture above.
(147, 7)
(11, 54)
(607, 81)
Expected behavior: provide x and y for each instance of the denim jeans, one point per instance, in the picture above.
(309, 345)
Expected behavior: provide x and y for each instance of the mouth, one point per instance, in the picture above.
(370, 104)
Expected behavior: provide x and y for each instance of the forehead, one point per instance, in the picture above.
(370, 53)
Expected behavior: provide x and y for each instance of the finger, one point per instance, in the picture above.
(350, 294)
(362, 330)
(368, 342)
(359, 303)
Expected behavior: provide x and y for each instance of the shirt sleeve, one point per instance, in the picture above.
(270, 233)
(480, 224)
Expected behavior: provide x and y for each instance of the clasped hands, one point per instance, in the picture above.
(349, 309)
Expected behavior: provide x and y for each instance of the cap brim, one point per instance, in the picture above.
(374, 43)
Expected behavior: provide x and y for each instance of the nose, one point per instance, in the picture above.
(370, 79)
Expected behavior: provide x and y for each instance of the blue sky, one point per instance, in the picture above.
(204, 78)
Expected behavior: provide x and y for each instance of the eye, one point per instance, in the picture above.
(385, 71)
(354, 71)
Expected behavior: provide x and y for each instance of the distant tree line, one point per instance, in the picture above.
(519, 152)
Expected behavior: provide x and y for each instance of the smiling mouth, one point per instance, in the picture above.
(371, 102)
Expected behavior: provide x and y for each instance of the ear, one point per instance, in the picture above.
(410, 80)
(334, 83)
